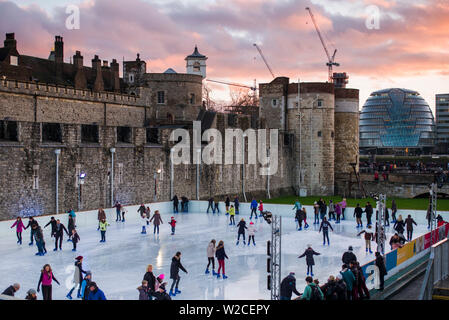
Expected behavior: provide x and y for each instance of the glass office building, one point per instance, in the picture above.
(396, 121)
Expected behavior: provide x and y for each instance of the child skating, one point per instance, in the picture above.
(211, 257)
(242, 226)
(221, 255)
(309, 253)
(260, 208)
(103, 227)
(253, 207)
(369, 235)
(75, 239)
(231, 215)
(251, 232)
(172, 224)
(325, 225)
(145, 221)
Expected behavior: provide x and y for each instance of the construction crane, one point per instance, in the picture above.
(254, 88)
(264, 60)
(331, 59)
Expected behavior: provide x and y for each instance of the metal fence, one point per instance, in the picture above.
(437, 268)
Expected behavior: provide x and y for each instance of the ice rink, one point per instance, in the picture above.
(119, 264)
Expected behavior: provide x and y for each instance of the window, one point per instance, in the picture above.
(14, 60)
(124, 134)
(196, 67)
(8, 130)
(51, 132)
(89, 133)
(131, 77)
(332, 134)
(274, 102)
(153, 135)
(320, 103)
(35, 177)
(161, 97)
(192, 98)
(319, 133)
(232, 120)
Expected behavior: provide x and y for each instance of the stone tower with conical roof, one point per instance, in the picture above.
(196, 63)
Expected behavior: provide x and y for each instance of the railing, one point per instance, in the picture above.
(437, 268)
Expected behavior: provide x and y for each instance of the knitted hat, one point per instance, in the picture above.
(161, 276)
(79, 258)
(31, 291)
(350, 248)
(251, 222)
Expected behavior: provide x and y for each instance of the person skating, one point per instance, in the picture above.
(75, 239)
(184, 204)
(409, 222)
(316, 213)
(343, 208)
(253, 207)
(123, 211)
(380, 264)
(312, 291)
(151, 279)
(159, 281)
(161, 293)
(144, 221)
(241, 231)
(429, 216)
(304, 217)
(369, 235)
(298, 219)
(85, 285)
(227, 204)
(288, 287)
(349, 279)
(175, 204)
(11, 290)
(118, 210)
(172, 224)
(32, 224)
(59, 232)
(348, 256)
(395, 242)
(19, 229)
(236, 204)
(77, 277)
(148, 214)
(309, 253)
(46, 279)
(260, 208)
(95, 293)
(220, 253)
(331, 207)
(251, 232)
(216, 205)
(323, 209)
(358, 215)
(157, 221)
(231, 215)
(103, 227)
(211, 257)
(70, 227)
(144, 291)
(39, 237)
(387, 217)
(31, 295)
(369, 213)
(141, 210)
(210, 205)
(325, 225)
(338, 212)
(52, 222)
(394, 209)
(174, 273)
(72, 214)
(399, 225)
(100, 216)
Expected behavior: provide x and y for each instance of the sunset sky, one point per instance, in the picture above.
(409, 50)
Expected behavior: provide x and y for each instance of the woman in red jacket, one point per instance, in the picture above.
(46, 279)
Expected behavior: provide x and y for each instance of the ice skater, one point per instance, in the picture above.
(175, 204)
(251, 232)
(118, 211)
(242, 226)
(409, 222)
(75, 239)
(144, 221)
(428, 216)
(141, 210)
(231, 215)
(358, 215)
(172, 224)
(325, 225)
(73, 215)
(77, 277)
(174, 273)
(298, 219)
(253, 207)
(331, 210)
(316, 213)
(220, 253)
(103, 227)
(260, 208)
(309, 253)
(211, 257)
(46, 279)
(338, 212)
(369, 236)
(236, 204)
(227, 204)
(52, 222)
(304, 217)
(399, 225)
(210, 205)
(101, 215)
(216, 206)
(369, 213)
(70, 226)
(19, 228)
(59, 233)
(394, 209)
(343, 208)
(40, 242)
(33, 227)
(157, 221)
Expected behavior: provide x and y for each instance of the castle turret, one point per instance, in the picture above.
(96, 65)
(196, 63)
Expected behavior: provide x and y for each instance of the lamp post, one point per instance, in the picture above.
(57, 152)
(172, 174)
(112, 175)
(198, 173)
(155, 184)
(243, 166)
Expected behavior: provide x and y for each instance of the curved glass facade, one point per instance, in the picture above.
(396, 118)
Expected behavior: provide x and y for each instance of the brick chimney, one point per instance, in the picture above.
(96, 66)
(80, 77)
(115, 75)
(105, 63)
(10, 41)
(59, 55)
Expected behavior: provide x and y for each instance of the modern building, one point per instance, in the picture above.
(442, 118)
(396, 121)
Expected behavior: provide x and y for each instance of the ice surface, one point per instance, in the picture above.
(119, 264)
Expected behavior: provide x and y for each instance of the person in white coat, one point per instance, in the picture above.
(144, 220)
(251, 232)
(123, 210)
(211, 257)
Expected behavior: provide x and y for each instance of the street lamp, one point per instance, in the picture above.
(112, 176)
(155, 183)
(57, 153)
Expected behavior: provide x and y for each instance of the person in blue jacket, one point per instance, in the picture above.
(253, 208)
(95, 293)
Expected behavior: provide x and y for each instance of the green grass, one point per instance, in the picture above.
(413, 204)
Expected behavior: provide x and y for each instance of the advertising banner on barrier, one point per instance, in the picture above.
(419, 244)
(391, 259)
(406, 252)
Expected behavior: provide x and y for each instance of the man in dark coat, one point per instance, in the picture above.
(32, 223)
(175, 204)
(59, 232)
(369, 213)
(288, 286)
(409, 222)
(348, 256)
(53, 225)
(174, 273)
(184, 204)
(11, 290)
(210, 205)
(380, 263)
(309, 253)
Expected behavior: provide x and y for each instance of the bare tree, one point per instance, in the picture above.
(243, 97)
